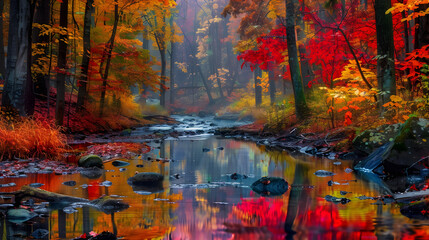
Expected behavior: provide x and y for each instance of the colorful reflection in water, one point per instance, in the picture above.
(200, 201)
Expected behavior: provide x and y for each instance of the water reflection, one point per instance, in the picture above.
(200, 201)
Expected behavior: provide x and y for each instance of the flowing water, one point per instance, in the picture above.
(201, 201)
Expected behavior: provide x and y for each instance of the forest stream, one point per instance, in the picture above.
(206, 194)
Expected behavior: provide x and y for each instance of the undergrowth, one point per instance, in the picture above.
(29, 138)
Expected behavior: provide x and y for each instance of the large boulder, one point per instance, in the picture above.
(90, 161)
(270, 186)
(372, 139)
(401, 147)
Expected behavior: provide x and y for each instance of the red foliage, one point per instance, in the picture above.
(125, 150)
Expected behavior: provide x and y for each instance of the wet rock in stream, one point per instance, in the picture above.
(324, 173)
(90, 161)
(333, 199)
(36, 185)
(146, 183)
(270, 186)
(70, 183)
(92, 173)
(19, 215)
(119, 163)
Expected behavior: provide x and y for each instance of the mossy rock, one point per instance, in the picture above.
(372, 139)
(89, 161)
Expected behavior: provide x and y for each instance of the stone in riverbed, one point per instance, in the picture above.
(19, 215)
(270, 186)
(146, 183)
(119, 163)
(145, 178)
(89, 161)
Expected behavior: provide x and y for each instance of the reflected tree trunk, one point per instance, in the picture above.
(62, 219)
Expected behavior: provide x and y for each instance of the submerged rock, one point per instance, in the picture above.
(236, 176)
(89, 161)
(323, 173)
(70, 183)
(109, 205)
(145, 178)
(40, 233)
(19, 215)
(119, 163)
(92, 173)
(333, 199)
(270, 186)
(146, 183)
(419, 210)
(36, 185)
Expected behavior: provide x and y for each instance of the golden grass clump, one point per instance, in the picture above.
(30, 139)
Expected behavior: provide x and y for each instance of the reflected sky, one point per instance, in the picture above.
(201, 201)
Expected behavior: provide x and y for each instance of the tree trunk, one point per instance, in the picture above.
(83, 80)
(422, 28)
(62, 62)
(272, 82)
(2, 55)
(42, 16)
(162, 86)
(172, 59)
(18, 89)
(385, 51)
(301, 107)
(257, 74)
(108, 53)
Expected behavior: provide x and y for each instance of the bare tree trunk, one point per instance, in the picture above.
(83, 80)
(272, 83)
(108, 53)
(163, 65)
(301, 107)
(2, 55)
(18, 90)
(172, 59)
(62, 62)
(386, 51)
(257, 74)
(42, 16)
(422, 28)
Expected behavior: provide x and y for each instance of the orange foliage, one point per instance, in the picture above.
(30, 139)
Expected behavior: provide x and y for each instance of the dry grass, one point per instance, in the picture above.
(30, 139)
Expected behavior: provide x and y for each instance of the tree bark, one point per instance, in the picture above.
(18, 89)
(83, 80)
(172, 59)
(301, 107)
(108, 53)
(62, 62)
(163, 65)
(422, 28)
(42, 16)
(257, 74)
(2, 55)
(272, 82)
(385, 51)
